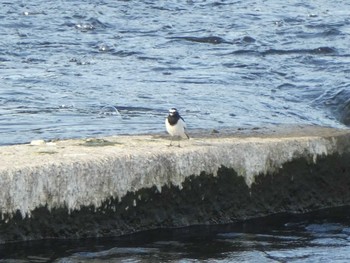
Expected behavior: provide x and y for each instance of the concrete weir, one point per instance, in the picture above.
(123, 184)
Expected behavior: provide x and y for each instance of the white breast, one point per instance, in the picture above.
(176, 130)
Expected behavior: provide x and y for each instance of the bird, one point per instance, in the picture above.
(175, 125)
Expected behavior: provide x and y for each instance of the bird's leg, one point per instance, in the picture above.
(178, 142)
(171, 141)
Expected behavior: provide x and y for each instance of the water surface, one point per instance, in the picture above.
(94, 68)
(321, 236)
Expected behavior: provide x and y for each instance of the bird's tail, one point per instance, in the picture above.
(188, 137)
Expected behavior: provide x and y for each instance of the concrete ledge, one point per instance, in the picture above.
(123, 184)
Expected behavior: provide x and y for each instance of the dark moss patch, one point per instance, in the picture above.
(47, 152)
(98, 143)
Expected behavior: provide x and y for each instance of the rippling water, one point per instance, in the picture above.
(89, 68)
(323, 236)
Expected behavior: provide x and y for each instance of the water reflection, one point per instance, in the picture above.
(314, 237)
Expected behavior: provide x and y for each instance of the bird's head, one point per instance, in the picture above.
(173, 112)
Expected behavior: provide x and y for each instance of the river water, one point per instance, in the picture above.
(322, 236)
(102, 67)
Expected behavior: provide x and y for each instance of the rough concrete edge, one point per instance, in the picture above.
(90, 183)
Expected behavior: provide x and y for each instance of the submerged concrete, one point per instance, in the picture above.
(123, 184)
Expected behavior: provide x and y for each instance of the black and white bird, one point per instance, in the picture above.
(175, 125)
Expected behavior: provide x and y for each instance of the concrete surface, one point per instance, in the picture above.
(122, 184)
